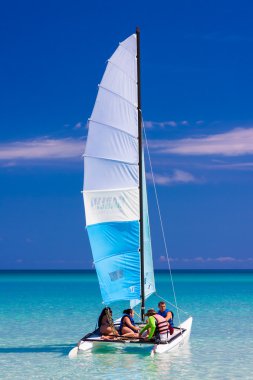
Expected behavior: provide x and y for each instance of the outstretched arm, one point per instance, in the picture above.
(152, 323)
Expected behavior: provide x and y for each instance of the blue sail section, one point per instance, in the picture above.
(148, 259)
(149, 279)
(115, 248)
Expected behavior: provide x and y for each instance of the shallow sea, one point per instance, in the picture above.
(43, 315)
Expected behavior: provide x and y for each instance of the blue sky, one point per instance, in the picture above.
(197, 82)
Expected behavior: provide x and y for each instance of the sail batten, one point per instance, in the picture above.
(113, 110)
(112, 126)
(116, 94)
(124, 72)
(111, 182)
(110, 159)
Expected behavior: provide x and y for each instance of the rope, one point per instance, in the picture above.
(138, 315)
(161, 222)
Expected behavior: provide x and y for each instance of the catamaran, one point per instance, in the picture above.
(115, 198)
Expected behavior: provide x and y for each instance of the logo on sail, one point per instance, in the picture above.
(116, 275)
(105, 203)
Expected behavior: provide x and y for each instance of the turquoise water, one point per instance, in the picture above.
(42, 316)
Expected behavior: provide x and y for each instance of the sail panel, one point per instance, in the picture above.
(107, 142)
(149, 279)
(113, 110)
(119, 277)
(125, 57)
(148, 259)
(130, 44)
(116, 80)
(103, 174)
(111, 205)
(113, 238)
(115, 248)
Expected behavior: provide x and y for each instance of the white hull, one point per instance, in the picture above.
(177, 342)
(178, 339)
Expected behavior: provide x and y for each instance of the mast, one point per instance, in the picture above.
(140, 175)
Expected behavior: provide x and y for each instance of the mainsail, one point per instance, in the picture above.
(111, 183)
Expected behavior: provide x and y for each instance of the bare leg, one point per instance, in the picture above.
(107, 330)
(126, 331)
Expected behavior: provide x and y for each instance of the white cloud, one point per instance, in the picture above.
(233, 166)
(163, 259)
(78, 125)
(178, 176)
(42, 149)
(170, 123)
(236, 142)
(161, 124)
(199, 259)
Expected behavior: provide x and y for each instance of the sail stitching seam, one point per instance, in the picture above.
(111, 126)
(111, 159)
(123, 71)
(115, 254)
(116, 94)
(108, 190)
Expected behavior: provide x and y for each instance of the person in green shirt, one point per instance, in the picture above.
(151, 324)
(156, 324)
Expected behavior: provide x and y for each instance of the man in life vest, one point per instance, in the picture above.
(167, 314)
(156, 324)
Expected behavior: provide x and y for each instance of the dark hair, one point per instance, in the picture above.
(161, 303)
(103, 313)
(128, 311)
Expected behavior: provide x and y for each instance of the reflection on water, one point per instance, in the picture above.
(135, 361)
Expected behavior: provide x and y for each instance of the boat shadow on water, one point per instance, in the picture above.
(61, 349)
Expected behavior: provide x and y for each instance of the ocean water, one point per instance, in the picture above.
(43, 315)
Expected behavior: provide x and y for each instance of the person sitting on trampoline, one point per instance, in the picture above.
(105, 323)
(127, 324)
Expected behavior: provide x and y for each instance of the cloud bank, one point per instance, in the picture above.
(178, 176)
(199, 259)
(42, 149)
(237, 142)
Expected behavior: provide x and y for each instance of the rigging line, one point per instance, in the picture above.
(138, 315)
(176, 307)
(161, 222)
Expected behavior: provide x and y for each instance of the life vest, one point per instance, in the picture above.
(122, 322)
(164, 314)
(162, 324)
